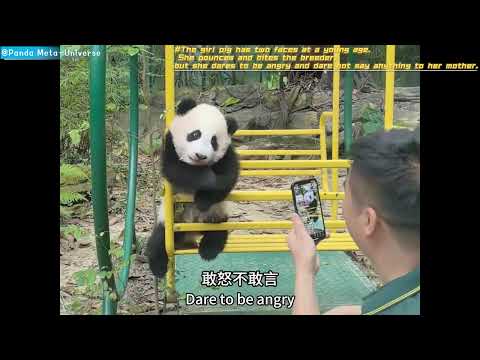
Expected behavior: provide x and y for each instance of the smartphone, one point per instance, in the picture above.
(306, 199)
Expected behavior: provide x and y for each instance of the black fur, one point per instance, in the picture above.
(212, 244)
(157, 255)
(185, 106)
(232, 125)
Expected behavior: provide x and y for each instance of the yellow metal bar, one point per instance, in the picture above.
(248, 225)
(275, 238)
(323, 147)
(262, 196)
(283, 244)
(282, 240)
(389, 87)
(280, 172)
(168, 191)
(276, 132)
(322, 246)
(276, 164)
(278, 152)
(345, 236)
(335, 124)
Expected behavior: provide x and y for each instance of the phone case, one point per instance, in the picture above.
(316, 239)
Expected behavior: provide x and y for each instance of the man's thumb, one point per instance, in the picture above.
(298, 226)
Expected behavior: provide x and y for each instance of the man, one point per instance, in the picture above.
(382, 214)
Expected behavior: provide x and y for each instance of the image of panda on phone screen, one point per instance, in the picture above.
(309, 208)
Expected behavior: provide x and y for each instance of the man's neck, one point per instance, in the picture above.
(394, 262)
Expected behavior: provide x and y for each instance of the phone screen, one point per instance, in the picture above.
(308, 206)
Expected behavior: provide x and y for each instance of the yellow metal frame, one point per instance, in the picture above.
(339, 241)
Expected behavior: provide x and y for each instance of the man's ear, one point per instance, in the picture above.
(232, 125)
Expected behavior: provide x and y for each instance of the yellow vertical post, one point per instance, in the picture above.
(323, 150)
(335, 124)
(389, 86)
(169, 209)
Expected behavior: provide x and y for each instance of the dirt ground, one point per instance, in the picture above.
(80, 254)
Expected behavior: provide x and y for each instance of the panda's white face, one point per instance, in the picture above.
(200, 136)
(309, 197)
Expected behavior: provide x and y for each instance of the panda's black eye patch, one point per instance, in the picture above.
(194, 135)
(214, 143)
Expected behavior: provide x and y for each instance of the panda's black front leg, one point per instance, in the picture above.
(205, 199)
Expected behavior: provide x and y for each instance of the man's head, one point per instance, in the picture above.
(382, 191)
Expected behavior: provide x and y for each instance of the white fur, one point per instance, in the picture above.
(161, 213)
(210, 121)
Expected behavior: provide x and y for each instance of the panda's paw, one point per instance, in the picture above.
(216, 218)
(212, 244)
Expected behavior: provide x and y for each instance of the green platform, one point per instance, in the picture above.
(339, 281)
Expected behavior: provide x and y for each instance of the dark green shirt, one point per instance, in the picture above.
(398, 297)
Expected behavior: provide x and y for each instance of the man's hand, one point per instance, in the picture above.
(303, 248)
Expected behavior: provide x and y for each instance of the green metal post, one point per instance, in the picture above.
(132, 176)
(99, 173)
(347, 103)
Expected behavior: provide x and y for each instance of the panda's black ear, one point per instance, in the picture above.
(232, 125)
(185, 105)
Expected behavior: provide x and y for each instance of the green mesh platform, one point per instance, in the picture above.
(339, 281)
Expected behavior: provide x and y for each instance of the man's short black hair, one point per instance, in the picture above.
(388, 162)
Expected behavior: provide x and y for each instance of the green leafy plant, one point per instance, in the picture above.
(230, 101)
(272, 81)
(74, 230)
(70, 174)
(371, 118)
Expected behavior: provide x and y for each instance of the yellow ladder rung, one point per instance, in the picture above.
(322, 246)
(275, 238)
(248, 225)
(276, 241)
(263, 196)
(278, 152)
(275, 164)
(277, 132)
(263, 173)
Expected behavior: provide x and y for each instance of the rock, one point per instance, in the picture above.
(268, 120)
(246, 117)
(271, 101)
(356, 114)
(208, 97)
(304, 120)
(304, 100)
(292, 97)
(252, 100)
(320, 99)
(240, 91)
(84, 243)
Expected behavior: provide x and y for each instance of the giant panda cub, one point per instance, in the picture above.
(311, 201)
(198, 158)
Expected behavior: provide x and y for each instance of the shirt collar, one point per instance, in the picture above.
(393, 292)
